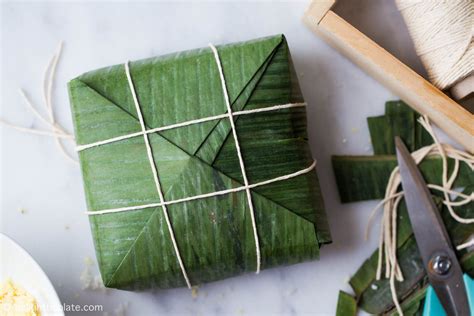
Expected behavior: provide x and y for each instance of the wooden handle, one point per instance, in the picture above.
(421, 95)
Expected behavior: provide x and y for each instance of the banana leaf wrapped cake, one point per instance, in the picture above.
(196, 165)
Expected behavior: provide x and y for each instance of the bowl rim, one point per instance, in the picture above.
(53, 294)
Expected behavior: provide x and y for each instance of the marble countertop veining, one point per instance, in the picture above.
(37, 179)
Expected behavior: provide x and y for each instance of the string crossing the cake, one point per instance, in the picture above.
(163, 204)
(155, 175)
(188, 123)
(239, 155)
(205, 195)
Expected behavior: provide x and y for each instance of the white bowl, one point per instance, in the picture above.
(16, 264)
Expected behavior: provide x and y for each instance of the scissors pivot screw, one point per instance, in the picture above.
(440, 264)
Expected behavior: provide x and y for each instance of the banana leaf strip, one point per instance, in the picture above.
(214, 235)
(346, 305)
(361, 178)
(399, 120)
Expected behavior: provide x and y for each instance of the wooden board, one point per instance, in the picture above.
(425, 98)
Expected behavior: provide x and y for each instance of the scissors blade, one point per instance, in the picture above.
(439, 259)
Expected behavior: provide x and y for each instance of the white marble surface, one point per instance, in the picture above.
(35, 176)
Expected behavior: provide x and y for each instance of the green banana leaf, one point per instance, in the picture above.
(346, 305)
(361, 178)
(214, 235)
(399, 120)
(365, 177)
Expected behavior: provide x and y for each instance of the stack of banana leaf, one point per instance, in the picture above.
(365, 178)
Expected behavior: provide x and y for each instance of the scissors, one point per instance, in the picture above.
(450, 292)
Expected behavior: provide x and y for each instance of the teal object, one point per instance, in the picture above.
(469, 282)
(433, 306)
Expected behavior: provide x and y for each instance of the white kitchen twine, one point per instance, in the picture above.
(155, 174)
(388, 232)
(190, 122)
(163, 204)
(239, 154)
(442, 32)
(57, 131)
(205, 195)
